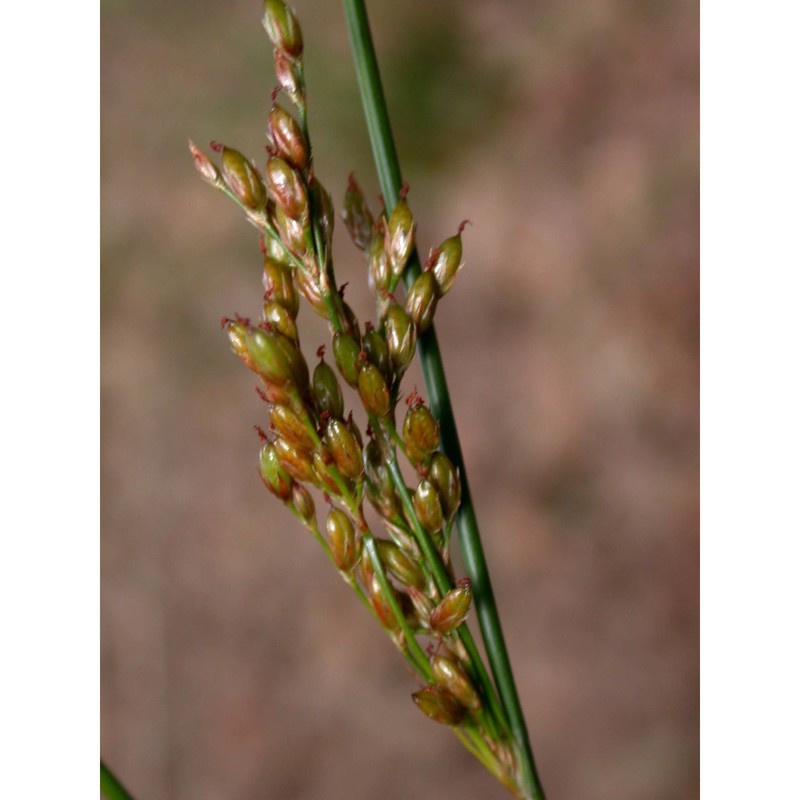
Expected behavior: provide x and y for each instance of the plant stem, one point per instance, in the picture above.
(388, 168)
(110, 785)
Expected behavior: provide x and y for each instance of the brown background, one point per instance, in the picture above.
(235, 664)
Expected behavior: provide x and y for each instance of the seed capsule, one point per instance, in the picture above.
(399, 564)
(421, 301)
(282, 28)
(444, 476)
(345, 352)
(344, 448)
(275, 478)
(309, 288)
(287, 188)
(447, 261)
(287, 424)
(292, 233)
(323, 209)
(237, 335)
(243, 180)
(439, 705)
(377, 351)
(420, 430)
(278, 284)
(401, 336)
(287, 71)
(453, 608)
(280, 319)
(378, 482)
(373, 391)
(277, 358)
(452, 677)
(288, 138)
(401, 229)
(380, 273)
(423, 605)
(326, 391)
(428, 507)
(380, 602)
(303, 502)
(297, 462)
(324, 479)
(345, 545)
(203, 164)
(357, 216)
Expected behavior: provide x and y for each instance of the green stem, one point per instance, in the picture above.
(388, 168)
(110, 786)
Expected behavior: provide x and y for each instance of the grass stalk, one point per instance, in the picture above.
(388, 169)
(110, 787)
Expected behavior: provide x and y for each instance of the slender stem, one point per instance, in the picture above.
(388, 168)
(110, 786)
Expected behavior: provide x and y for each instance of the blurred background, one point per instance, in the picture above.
(235, 663)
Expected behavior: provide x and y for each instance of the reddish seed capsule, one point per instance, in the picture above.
(439, 705)
(287, 189)
(344, 448)
(243, 180)
(275, 478)
(420, 430)
(326, 391)
(203, 164)
(373, 391)
(401, 337)
(400, 238)
(422, 299)
(303, 502)
(288, 138)
(279, 286)
(345, 545)
(452, 677)
(378, 481)
(237, 335)
(345, 352)
(357, 216)
(399, 564)
(309, 288)
(292, 233)
(428, 507)
(287, 71)
(287, 424)
(453, 608)
(282, 28)
(297, 462)
(380, 602)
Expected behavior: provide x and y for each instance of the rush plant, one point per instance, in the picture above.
(316, 459)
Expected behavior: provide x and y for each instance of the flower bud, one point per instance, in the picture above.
(420, 430)
(242, 179)
(446, 261)
(288, 425)
(303, 502)
(357, 216)
(288, 138)
(444, 476)
(401, 336)
(373, 391)
(203, 164)
(279, 286)
(297, 462)
(275, 478)
(277, 358)
(326, 391)
(422, 299)
(453, 608)
(345, 352)
(377, 351)
(452, 677)
(439, 705)
(287, 188)
(282, 28)
(344, 448)
(280, 319)
(345, 545)
(399, 564)
(400, 243)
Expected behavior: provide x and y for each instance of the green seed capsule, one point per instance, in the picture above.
(380, 273)
(344, 448)
(428, 507)
(326, 391)
(357, 216)
(452, 677)
(277, 358)
(275, 477)
(447, 261)
(453, 608)
(279, 286)
(346, 351)
(282, 28)
(400, 237)
(287, 424)
(401, 336)
(439, 705)
(243, 180)
(444, 476)
(421, 301)
(280, 319)
(377, 351)
(288, 138)
(345, 545)
(420, 430)
(399, 564)
(287, 188)
(298, 463)
(303, 502)
(373, 391)
(323, 209)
